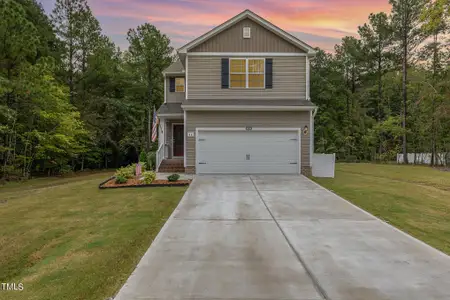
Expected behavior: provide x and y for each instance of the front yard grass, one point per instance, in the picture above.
(66, 239)
(415, 199)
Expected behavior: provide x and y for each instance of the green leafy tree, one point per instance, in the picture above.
(18, 41)
(150, 53)
(54, 130)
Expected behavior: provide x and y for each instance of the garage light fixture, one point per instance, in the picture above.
(305, 130)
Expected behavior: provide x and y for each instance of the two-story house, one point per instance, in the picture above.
(237, 102)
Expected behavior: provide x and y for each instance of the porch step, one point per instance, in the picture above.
(172, 166)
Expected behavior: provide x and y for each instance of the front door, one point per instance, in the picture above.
(178, 140)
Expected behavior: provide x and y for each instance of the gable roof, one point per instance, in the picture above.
(261, 21)
(175, 68)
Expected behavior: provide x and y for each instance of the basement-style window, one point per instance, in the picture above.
(179, 85)
(247, 72)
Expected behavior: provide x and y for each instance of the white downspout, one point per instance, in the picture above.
(311, 142)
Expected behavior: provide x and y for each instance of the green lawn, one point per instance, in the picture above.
(66, 239)
(415, 199)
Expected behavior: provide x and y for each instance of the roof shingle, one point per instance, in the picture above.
(175, 67)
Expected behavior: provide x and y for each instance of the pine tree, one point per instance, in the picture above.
(406, 21)
(151, 52)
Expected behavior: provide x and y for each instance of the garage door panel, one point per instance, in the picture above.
(248, 152)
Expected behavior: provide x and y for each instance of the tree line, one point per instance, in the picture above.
(71, 100)
(387, 91)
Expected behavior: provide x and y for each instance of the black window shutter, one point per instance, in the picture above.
(269, 73)
(225, 73)
(172, 84)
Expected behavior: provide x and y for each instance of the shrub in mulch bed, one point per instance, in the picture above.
(132, 182)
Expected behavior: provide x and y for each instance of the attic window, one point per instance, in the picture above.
(247, 32)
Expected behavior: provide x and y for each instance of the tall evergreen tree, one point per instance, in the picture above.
(406, 21)
(78, 30)
(436, 55)
(150, 53)
(376, 39)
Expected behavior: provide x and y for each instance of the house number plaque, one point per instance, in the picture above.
(248, 128)
(191, 134)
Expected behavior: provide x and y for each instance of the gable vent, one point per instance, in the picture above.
(247, 32)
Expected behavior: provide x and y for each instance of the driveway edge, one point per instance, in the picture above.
(156, 239)
(382, 221)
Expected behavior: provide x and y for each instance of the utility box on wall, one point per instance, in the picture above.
(323, 165)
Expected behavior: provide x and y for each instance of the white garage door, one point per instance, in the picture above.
(248, 152)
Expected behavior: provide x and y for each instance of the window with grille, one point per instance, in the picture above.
(247, 72)
(179, 85)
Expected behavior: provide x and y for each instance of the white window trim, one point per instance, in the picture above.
(184, 85)
(246, 72)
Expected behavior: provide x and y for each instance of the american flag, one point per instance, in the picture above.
(155, 125)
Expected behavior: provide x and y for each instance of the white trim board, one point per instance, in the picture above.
(185, 138)
(171, 74)
(186, 95)
(165, 89)
(246, 54)
(311, 139)
(247, 108)
(254, 17)
(307, 79)
(170, 115)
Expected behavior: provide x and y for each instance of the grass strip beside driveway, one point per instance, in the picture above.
(74, 241)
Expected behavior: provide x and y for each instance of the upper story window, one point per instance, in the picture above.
(179, 85)
(247, 72)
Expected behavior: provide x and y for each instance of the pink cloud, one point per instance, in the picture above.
(183, 20)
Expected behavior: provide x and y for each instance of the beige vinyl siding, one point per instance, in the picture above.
(231, 40)
(174, 97)
(289, 80)
(265, 119)
(169, 135)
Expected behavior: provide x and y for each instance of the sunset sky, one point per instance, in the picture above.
(320, 23)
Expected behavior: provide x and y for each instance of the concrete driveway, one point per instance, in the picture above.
(282, 237)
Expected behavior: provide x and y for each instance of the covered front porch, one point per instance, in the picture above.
(170, 154)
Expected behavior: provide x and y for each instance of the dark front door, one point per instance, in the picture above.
(178, 140)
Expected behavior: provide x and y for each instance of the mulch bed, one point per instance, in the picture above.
(111, 183)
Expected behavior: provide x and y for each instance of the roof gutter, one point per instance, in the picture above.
(173, 73)
(171, 115)
(246, 108)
